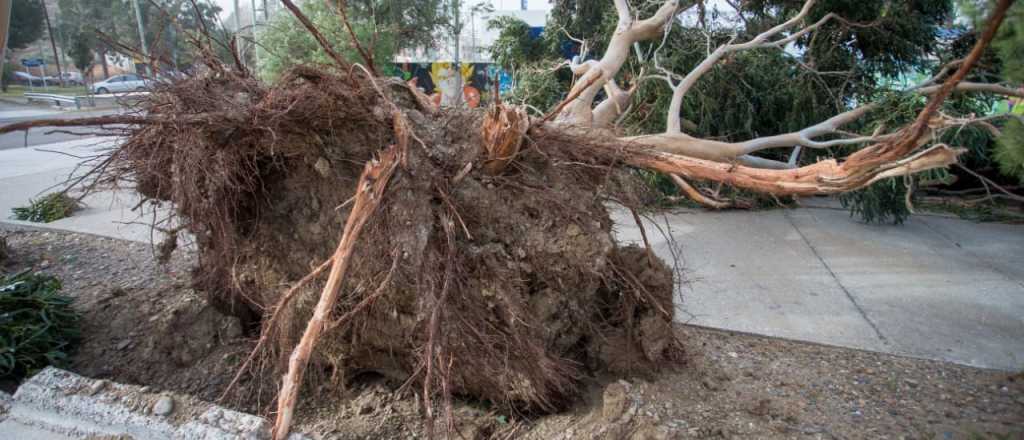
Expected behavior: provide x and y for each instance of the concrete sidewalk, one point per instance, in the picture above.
(29, 173)
(935, 287)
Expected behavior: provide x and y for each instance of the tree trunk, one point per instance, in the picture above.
(103, 62)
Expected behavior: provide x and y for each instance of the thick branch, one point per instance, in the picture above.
(369, 192)
(686, 145)
(110, 120)
(610, 109)
(760, 41)
(996, 89)
(596, 74)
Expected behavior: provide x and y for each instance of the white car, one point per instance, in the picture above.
(128, 82)
(73, 78)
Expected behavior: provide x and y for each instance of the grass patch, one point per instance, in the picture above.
(38, 327)
(51, 207)
(17, 91)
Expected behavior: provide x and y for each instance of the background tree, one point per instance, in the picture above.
(88, 18)
(285, 43)
(26, 27)
(81, 52)
(27, 24)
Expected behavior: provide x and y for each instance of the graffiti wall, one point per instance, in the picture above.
(439, 80)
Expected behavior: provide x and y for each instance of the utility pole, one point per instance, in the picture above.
(255, 57)
(238, 19)
(142, 36)
(457, 65)
(53, 43)
(63, 42)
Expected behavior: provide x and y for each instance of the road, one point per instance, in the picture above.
(11, 113)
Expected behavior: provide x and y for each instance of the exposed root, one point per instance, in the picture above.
(370, 191)
(503, 131)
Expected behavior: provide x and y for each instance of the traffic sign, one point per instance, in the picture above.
(33, 62)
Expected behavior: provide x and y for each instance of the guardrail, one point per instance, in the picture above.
(61, 99)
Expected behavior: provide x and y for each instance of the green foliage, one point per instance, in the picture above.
(407, 23)
(285, 42)
(8, 76)
(38, 326)
(81, 52)
(50, 207)
(882, 202)
(86, 19)
(1009, 44)
(26, 23)
(1009, 152)
(514, 47)
(537, 86)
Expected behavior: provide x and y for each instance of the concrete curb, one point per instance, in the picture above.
(19, 225)
(57, 404)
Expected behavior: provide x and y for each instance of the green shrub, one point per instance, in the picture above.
(51, 207)
(38, 327)
(1010, 150)
(884, 201)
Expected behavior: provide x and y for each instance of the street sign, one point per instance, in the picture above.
(32, 62)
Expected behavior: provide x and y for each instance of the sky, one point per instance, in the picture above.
(542, 5)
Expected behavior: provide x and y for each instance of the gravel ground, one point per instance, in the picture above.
(144, 325)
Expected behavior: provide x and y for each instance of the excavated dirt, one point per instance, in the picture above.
(145, 325)
(505, 287)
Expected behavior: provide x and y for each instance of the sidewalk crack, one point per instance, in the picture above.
(988, 264)
(835, 278)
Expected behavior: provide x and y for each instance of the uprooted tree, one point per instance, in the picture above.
(466, 252)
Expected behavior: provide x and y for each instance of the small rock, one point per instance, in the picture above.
(911, 383)
(163, 406)
(97, 386)
(44, 264)
(615, 401)
(733, 354)
(124, 344)
(145, 389)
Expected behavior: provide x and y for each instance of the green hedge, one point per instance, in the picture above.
(38, 327)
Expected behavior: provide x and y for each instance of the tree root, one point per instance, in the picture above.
(369, 192)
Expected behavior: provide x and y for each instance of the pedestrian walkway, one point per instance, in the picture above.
(936, 287)
(29, 173)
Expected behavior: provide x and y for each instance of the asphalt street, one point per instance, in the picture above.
(11, 113)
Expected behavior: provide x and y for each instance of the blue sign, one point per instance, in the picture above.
(33, 62)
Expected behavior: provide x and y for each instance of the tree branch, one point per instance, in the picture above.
(594, 75)
(316, 33)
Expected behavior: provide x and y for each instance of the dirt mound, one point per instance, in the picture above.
(507, 287)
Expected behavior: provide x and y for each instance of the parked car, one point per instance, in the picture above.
(74, 78)
(128, 82)
(27, 79)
